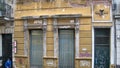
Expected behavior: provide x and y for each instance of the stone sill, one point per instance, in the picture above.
(49, 57)
(21, 56)
(84, 58)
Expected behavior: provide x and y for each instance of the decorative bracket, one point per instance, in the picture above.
(44, 24)
(101, 12)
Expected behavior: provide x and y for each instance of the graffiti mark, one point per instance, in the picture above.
(85, 63)
(102, 57)
(86, 54)
(50, 62)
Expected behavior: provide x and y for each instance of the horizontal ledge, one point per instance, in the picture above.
(35, 17)
(49, 57)
(52, 57)
(81, 58)
(53, 16)
(66, 15)
(102, 21)
(34, 25)
(21, 56)
(117, 16)
(47, 16)
(64, 24)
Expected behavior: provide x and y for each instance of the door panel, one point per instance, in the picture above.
(6, 47)
(66, 48)
(36, 49)
(102, 48)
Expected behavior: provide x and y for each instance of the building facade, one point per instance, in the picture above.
(116, 17)
(6, 30)
(64, 34)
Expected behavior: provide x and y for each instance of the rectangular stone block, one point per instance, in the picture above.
(49, 27)
(85, 21)
(19, 40)
(50, 40)
(19, 34)
(18, 28)
(85, 34)
(85, 48)
(50, 53)
(18, 23)
(20, 46)
(85, 41)
(20, 52)
(85, 27)
(50, 47)
(50, 34)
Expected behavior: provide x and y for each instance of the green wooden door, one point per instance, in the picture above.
(36, 49)
(66, 48)
(102, 48)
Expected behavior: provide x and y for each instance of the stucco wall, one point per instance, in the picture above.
(85, 32)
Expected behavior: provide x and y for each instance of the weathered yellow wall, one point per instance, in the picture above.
(50, 39)
(85, 33)
(85, 37)
(19, 36)
(34, 9)
(84, 11)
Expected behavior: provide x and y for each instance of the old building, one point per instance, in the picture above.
(64, 34)
(6, 30)
(116, 17)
